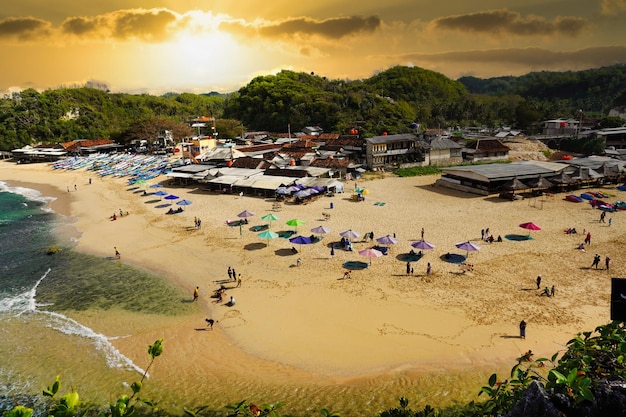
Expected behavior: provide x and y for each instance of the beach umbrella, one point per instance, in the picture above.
(160, 193)
(370, 253)
(283, 190)
(529, 226)
(172, 197)
(387, 240)
(244, 214)
(468, 247)
(156, 186)
(422, 245)
(320, 230)
(270, 218)
(300, 240)
(303, 193)
(184, 203)
(295, 223)
(350, 234)
(268, 234)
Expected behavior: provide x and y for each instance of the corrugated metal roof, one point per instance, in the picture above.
(392, 138)
(521, 170)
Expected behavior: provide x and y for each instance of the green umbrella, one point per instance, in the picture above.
(268, 234)
(295, 223)
(270, 218)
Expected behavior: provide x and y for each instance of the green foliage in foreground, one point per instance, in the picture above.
(590, 357)
(417, 171)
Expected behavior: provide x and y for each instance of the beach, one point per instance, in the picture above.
(300, 330)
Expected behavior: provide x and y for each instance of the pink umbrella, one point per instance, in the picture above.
(529, 226)
(370, 253)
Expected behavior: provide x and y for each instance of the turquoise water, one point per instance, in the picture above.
(39, 292)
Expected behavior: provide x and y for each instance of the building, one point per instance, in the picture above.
(486, 150)
(388, 151)
(444, 151)
(615, 137)
(560, 127)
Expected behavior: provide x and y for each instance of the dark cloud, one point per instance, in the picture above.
(149, 25)
(508, 22)
(142, 24)
(330, 28)
(530, 57)
(79, 25)
(613, 7)
(23, 28)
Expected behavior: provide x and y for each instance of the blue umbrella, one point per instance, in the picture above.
(156, 186)
(160, 193)
(172, 197)
(300, 240)
(183, 203)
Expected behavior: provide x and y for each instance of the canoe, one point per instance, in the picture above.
(587, 196)
(573, 198)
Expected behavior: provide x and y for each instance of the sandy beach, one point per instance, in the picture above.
(305, 325)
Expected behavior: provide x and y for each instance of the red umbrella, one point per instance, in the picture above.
(529, 226)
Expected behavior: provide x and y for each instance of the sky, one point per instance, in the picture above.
(198, 46)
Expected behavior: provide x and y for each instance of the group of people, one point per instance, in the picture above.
(487, 237)
(548, 292)
(115, 215)
(596, 261)
(174, 211)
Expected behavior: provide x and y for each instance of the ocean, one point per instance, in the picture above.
(41, 291)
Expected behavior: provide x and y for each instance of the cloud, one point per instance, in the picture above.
(613, 7)
(513, 23)
(152, 25)
(335, 28)
(529, 57)
(24, 28)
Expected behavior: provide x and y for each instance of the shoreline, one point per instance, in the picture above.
(307, 325)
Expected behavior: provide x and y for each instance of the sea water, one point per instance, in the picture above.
(42, 281)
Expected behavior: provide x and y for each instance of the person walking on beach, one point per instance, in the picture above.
(552, 291)
(234, 275)
(607, 261)
(230, 273)
(602, 216)
(538, 281)
(239, 281)
(422, 233)
(196, 293)
(117, 252)
(610, 221)
(209, 323)
(522, 329)
(588, 238)
(408, 268)
(596, 261)
(428, 269)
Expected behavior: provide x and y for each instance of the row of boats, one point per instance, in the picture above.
(595, 198)
(140, 167)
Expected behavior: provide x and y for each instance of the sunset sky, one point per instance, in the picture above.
(201, 45)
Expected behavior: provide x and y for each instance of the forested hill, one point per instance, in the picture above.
(593, 90)
(392, 101)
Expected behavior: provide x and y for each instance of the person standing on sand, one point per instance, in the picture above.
(538, 281)
(230, 273)
(522, 329)
(196, 293)
(596, 261)
(428, 269)
(552, 291)
(422, 233)
(607, 261)
(117, 252)
(588, 238)
(234, 275)
(239, 281)
(408, 268)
